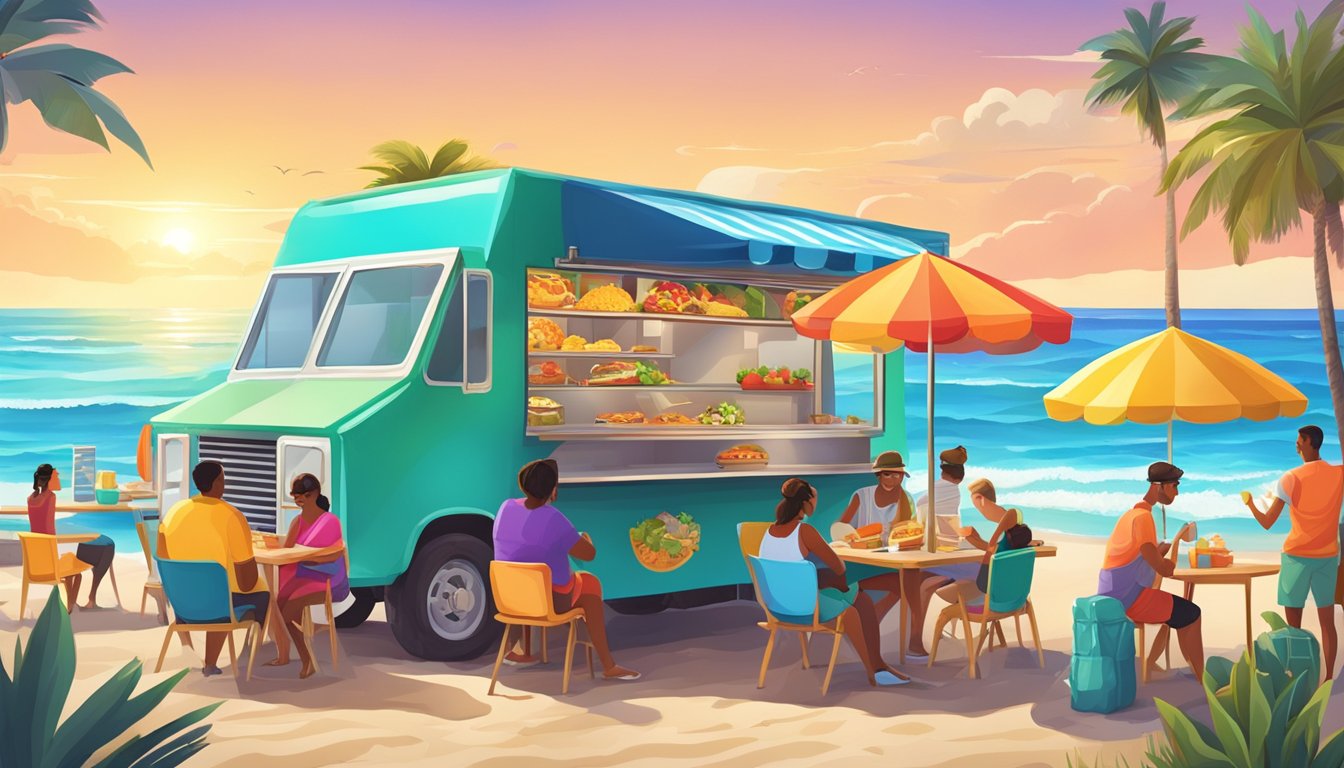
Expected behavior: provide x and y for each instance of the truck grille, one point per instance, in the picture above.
(249, 476)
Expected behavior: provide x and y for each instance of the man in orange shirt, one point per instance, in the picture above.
(1313, 493)
(1133, 560)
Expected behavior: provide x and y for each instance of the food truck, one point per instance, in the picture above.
(416, 345)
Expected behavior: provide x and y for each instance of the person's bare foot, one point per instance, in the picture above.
(277, 662)
(308, 671)
(897, 672)
(617, 672)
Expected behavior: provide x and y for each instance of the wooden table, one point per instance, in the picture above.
(915, 560)
(1241, 573)
(73, 506)
(274, 558)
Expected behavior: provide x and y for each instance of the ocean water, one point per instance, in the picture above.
(70, 377)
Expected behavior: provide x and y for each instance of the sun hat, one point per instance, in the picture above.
(888, 460)
(954, 456)
(1162, 472)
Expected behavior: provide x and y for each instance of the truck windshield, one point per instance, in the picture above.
(378, 316)
(283, 330)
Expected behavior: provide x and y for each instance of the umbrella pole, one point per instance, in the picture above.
(1169, 461)
(930, 522)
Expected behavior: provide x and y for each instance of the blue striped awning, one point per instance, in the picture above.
(633, 224)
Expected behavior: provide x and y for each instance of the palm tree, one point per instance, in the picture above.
(58, 78)
(1149, 66)
(1280, 152)
(403, 162)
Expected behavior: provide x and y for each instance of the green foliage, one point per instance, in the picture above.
(1261, 716)
(404, 162)
(1148, 66)
(31, 701)
(1119, 762)
(59, 78)
(1281, 150)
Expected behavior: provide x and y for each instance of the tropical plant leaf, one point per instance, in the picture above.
(83, 733)
(1192, 742)
(42, 683)
(447, 154)
(1332, 753)
(1274, 620)
(83, 66)
(32, 20)
(1304, 734)
(77, 109)
(1231, 736)
(138, 748)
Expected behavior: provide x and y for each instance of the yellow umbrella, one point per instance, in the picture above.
(1170, 376)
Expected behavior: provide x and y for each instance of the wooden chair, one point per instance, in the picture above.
(522, 593)
(1010, 577)
(782, 588)
(198, 591)
(148, 531)
(44, 565)
(1161, 641)
(310, 625)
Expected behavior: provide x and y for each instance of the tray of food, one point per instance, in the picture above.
(865, 537)
(547, 290)
(606, 298)
(674, 419)
(544, 412)
(623, 373)
(620, 417)
(547, 373)
(906, 535)
(742, 457)
(723, 414)
(665, 542)
(765, 377)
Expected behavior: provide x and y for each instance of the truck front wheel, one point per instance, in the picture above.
(441, 608)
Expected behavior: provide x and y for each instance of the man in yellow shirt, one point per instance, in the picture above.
(1313, 494)
(206, 527)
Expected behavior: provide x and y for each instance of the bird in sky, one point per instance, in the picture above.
(283, 171)
(250, 192)
(310, 173)
(861, 70)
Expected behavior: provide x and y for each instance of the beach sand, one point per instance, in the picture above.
(697, 704)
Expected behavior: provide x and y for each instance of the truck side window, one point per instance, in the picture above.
(445, 363)
(478, 331)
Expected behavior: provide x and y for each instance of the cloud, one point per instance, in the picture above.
(503, 146)
(175, 206)
(41, 240)
(42, 176)
(691, 151)
(749, 182)
(1077, 57)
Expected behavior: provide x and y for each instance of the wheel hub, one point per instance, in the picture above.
(455, 601)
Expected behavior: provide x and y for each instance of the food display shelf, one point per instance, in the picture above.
(593, 355)
(706, 471)
(602, 432)
(567, 388)
(670, 317)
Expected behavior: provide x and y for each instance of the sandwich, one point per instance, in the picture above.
(866, 537)
(644, 348)
(621, 417)
(615, 373)
(548, 372)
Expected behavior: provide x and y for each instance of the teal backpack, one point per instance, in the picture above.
(1297, 649)
(1101, 672)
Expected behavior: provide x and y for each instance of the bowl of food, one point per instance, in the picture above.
(544, 412)
(665, 541)
(270, 541)
(107, 495)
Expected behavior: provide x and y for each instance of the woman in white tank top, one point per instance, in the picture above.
(791, 539)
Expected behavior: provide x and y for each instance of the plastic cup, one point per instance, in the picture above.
(1245, 497)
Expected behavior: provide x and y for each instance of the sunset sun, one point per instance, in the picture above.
(178, 239)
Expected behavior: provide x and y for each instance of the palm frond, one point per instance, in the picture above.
(74, 108)
(83, 66)
(23, 22)
(446, 156)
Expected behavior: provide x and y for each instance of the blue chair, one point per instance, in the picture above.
(198, 591)
(787, 591)
(1009, 596)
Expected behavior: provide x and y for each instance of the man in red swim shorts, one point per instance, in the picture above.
(1134, 558)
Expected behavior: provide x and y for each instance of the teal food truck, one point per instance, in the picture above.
(416, 345)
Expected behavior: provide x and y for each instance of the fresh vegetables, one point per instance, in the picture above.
(667, 297)
(649, 374)
(665, 542)
(723, 413)
(756, 378)
(795, 301)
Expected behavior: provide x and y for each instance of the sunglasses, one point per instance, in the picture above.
(297, 494)
(896, 473)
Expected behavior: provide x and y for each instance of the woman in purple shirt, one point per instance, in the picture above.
(532, 530)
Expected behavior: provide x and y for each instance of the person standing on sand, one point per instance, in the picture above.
(206, 527)
(532, 530)
(1134, 559)
(1313, 493)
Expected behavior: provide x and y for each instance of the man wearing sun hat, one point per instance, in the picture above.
(1134, 558)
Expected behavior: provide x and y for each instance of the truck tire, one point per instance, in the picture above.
(441, 609)
(359, 610)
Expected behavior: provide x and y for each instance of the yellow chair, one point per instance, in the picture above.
(749, 537)
(310, 627)
(1009, 596)
(522, 593)
(43, 564)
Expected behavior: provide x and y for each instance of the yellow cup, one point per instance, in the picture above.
(1245, 497)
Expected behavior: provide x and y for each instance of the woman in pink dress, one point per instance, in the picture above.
(305, 584)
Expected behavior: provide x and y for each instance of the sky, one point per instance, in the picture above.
(965, 116)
